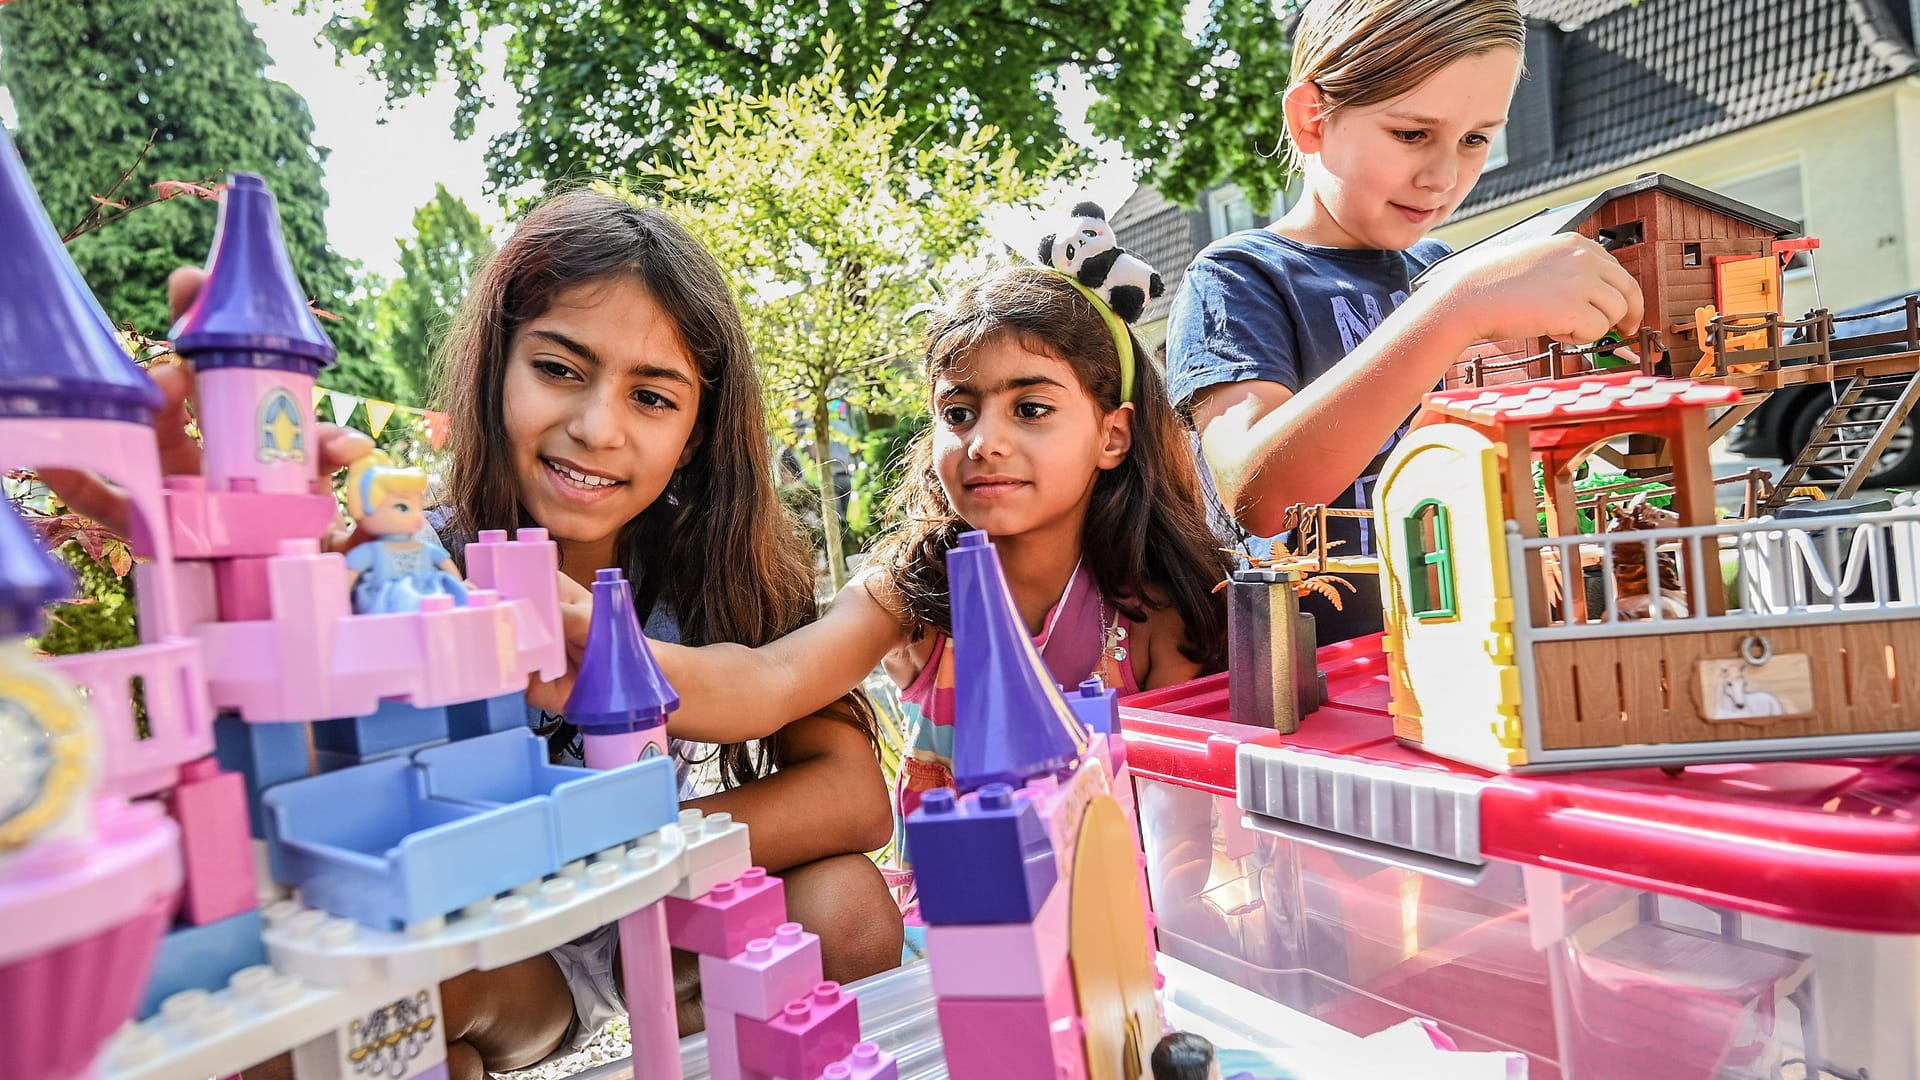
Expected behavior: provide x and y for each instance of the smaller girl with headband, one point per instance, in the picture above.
(1053, 433)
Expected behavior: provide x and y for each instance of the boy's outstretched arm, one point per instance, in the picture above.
(828, 797)
(1270, 448)
(733, 693)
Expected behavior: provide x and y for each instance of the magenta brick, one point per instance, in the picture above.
(765, 976)
(216, 845)
(867, 1062)
(811, 1033)
(732, 913)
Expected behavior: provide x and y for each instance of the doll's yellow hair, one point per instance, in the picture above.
(374, 477)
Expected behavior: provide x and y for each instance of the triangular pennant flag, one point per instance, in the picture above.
(319, 392)
(342, 405)
(378, 413)
(437, 429)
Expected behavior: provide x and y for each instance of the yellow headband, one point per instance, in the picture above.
(1122, 337)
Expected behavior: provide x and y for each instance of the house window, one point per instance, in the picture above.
(1229, 210)
(1430, 561)
(1690, 255)
(1618, 236)
(1777, 191)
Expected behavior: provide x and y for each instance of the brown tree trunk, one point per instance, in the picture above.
(829, 498)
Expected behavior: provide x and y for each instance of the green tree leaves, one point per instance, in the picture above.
(601, 87)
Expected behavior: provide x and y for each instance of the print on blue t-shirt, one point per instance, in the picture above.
(1256, 305)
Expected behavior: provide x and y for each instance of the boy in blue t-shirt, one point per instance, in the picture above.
(1297, 351)
(1258, 306)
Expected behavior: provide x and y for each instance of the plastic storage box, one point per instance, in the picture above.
(1729, 921)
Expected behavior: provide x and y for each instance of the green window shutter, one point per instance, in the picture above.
(1430, 561)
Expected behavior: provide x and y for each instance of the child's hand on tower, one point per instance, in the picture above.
(92, 496)
(1565, 287)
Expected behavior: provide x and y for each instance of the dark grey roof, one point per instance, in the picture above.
(1630, 80)
(1165, 235)
(1568, 217)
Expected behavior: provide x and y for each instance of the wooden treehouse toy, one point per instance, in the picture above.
(1688, 641)
(1710, 270)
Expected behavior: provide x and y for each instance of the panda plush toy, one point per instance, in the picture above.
(1088, 250)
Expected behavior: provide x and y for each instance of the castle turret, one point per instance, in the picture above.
(256, 350)
(59, 353)
(620, 698)
(1011, 723)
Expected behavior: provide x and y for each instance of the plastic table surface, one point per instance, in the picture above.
(1829, 843)
(897, 1013)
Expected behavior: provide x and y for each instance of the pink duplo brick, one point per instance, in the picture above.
(216, 847)
(721, 923)
(1009, 960)
(1015, 1038)
(765, 976)
(867, 1062)
(811, 1033)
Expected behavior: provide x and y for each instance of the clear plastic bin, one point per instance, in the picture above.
(1737, 921)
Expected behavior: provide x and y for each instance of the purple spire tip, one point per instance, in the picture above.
(1010, 722)
(30, 577)
(59, 353)
(619, 688)
(252, 311)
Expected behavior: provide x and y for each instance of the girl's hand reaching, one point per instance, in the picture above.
(92, 496)
(1565, 287)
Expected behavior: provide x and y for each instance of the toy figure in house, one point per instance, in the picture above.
(1635, 598)
(394, 572)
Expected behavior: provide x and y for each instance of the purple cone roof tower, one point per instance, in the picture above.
(256, 349)
(1010, 722)
(252, 312)
(30, 578)
(620, 688)
(59, 353)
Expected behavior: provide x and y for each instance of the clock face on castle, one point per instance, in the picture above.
(26, 759)
(45, 747)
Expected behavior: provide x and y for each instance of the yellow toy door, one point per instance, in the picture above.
(1747, 286)
(1449, 599)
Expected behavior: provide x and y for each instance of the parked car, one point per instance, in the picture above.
(1785, 421)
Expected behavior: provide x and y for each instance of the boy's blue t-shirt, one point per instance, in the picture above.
(1257, 305)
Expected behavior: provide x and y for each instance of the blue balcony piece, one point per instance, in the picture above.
(620, 688)
(1010, 722)
(251, 313)
(590, 809)
(369, 844)
(980, 859)
(30, 578)
(59, 353)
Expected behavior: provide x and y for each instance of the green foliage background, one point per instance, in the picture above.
(92, 79)
(602, 87)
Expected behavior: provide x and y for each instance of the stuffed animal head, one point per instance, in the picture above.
(1088, 251)
(1086, 234)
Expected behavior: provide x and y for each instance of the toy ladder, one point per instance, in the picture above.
(1843, 448)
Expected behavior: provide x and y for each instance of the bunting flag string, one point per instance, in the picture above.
(379, 413)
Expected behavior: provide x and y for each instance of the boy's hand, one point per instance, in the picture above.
(1565, 287)
(93, 496)
(576, 618)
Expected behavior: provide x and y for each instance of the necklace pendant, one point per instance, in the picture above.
(1119, 633)
(1118, 652)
